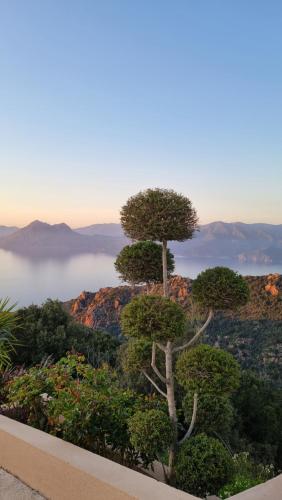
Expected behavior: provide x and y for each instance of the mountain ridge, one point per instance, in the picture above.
(234, 241)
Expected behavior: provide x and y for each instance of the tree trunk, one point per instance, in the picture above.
(171, 405)
(165, 268)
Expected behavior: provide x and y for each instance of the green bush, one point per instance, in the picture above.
(214, 413)
(151, 433)
(49, 330)
(220, 288)
(154, 317)
(205, 369)
(247, 474)
(203, 466)
(82, 405)
(142, 263)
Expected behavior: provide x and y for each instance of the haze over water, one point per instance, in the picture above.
(28, 281)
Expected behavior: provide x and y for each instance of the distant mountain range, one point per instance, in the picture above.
(259, 243)
(58, 240)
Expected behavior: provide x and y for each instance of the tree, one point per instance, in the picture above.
(163, 323)
(49, 330)
(7, 339)
(142, 263)
(159, 215)
(203, 466)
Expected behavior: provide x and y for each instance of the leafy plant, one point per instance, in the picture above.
(203, 465)
(8, 341)
(142, 263)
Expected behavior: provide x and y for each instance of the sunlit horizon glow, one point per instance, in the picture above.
(99, 102)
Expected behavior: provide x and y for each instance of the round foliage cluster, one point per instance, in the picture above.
(154, 317)
(137, 355)
(159, 215)
(207, 369)
(214, 413)
(142, 262)
(203, 466)
(220, 288)
(150, 432)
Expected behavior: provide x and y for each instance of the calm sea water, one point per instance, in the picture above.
(28, 281)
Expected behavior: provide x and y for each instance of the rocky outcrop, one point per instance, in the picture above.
(102, 309)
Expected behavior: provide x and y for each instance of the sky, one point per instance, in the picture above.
(102, 99)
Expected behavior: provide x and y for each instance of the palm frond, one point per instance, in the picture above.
(8, 321)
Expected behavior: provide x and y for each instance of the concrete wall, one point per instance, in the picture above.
(62, 471)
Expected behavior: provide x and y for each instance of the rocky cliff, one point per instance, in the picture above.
(253, 333)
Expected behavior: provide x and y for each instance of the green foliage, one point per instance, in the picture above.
(246, 475)
(154, 317)
(142, 263)
(214, 413)
(151, 432)
(50, 331)
(136, 355)
(203, 466)
(159, 215)
(220, 288)
(8, 341)
(259, 418)
(208, 370)
(80, 404)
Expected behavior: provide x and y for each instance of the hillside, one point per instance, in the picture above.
(41, 239)
(253, 334)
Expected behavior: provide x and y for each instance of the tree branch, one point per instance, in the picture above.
(154, 384)
(161, 346)
(193, 420)
(197, 335)
(153, 365)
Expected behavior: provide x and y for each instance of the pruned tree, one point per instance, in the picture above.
(141, 262)
(159, 215)
(162, 322)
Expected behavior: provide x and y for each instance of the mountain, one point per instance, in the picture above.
(218, 242)
(253, 334)
(5, 230)
(259, 243)
(58, 240)
(109, 229)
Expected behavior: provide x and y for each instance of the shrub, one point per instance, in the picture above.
(80, 404)
(154, 317)
(203, 465)
(220, 288)
(49, 330)
(142, 263)
(151, 433)
(214, 413)
(207, 369)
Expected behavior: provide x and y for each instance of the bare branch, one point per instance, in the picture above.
(153, 365)
(154, 384)
(197, 335)
(161, 346)
(193, 420)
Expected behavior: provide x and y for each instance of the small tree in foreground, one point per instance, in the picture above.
(142, 263)
(162, 322)
(203, 466)
(159, 215)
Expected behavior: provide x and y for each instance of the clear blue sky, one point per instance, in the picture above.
(100, 99)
